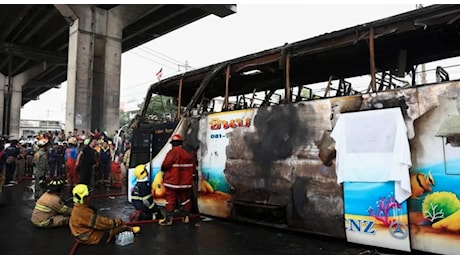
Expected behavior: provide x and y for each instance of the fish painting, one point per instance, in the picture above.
(421, 183)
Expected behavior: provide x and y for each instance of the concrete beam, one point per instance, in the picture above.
(128, 14)
(67, 12)
(219, 10)
(2, 99)
(32, 53)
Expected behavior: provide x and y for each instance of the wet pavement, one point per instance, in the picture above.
(202, 236)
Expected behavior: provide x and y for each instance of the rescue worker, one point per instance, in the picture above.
(11, 153)
(141, 197)
(70, 156)
(105, 160)
(88, 227)
(87, 161)
(50, 210)
(178, 167)
(41, 167)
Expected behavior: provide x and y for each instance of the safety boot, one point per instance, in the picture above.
(136, 229)
(186, 219)
(166, 221)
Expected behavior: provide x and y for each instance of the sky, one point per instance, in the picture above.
(253, 28)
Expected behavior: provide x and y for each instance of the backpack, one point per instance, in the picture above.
(9, 159)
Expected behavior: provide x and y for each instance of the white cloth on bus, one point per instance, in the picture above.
(372, 146)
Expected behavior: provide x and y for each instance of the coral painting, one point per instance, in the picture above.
(375, 219)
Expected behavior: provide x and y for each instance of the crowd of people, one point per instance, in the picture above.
(76, 164)
(84, 157)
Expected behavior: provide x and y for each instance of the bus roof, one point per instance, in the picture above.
(399, 43)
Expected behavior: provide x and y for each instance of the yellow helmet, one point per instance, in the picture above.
(140, 171)
(79, 192)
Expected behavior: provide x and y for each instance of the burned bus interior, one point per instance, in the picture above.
(389, 52)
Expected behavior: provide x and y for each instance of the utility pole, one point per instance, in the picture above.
(423, 69)
(185, 66)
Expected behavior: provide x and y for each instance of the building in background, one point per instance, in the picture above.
(28, 129)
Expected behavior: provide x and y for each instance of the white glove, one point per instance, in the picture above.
(146, 203)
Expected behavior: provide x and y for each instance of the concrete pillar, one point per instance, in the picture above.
(2, 100)
(94, 64)
(16, 97)
(93, 76)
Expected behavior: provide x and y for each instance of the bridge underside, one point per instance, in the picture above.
(31, 34)
(36, 37)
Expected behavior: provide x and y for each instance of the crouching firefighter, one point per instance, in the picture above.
(50, 210)
(87, 227)
(141, 197)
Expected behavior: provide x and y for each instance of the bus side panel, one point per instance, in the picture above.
(215, 193)
(273, 167)
(434, 208)
(432, 117)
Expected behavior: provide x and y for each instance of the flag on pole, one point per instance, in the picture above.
(159, 74)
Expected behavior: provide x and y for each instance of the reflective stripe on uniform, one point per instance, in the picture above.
(146, 197)
(185, 202)
(177, 186)
(63, 209)
(182, 165)
(43, 223)
(43, 208)
(92, 221)
(82, 236)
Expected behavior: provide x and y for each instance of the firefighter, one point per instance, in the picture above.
(88, 227)
(50, 210)
(178, 167)
(141, 197)
(41, 167)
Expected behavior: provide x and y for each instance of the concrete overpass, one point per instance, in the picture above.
(42, 46)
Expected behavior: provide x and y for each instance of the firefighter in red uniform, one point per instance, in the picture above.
(178, 167)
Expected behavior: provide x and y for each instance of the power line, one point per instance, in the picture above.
(147, 53)
(161, 54)
(151, 60)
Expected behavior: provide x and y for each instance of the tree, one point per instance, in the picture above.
(124, 118)
(161, 108)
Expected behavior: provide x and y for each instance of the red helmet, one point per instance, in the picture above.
(176, 137)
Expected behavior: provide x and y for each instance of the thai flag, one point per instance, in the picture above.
(159, 74)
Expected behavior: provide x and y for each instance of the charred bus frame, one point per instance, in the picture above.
(273, 189)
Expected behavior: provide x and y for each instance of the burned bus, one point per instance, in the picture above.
(287, 138)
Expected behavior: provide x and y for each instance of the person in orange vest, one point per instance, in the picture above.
(70, 156)
(50, 210)
(178, 167)
(88, 227)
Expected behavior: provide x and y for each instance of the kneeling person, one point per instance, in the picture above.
(50, 210)
(141, 197)
(87, 227)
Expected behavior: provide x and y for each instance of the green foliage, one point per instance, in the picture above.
(161, 108)
(124, 118)
(441, 201)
